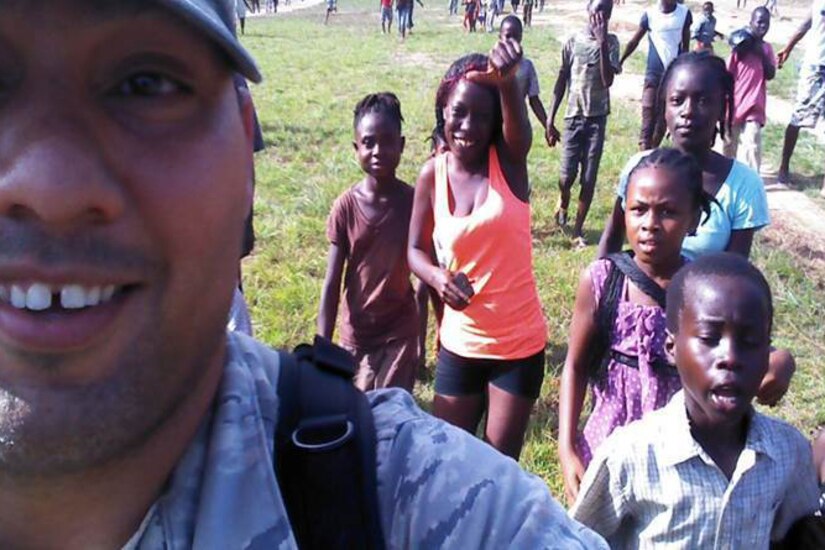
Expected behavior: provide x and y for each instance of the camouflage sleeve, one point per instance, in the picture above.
(440, 487)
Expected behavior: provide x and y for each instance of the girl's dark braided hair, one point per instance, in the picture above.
(459, 68)
(690, 174)
(719, 76)
(385, 103)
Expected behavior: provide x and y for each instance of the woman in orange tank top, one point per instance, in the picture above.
(471, 212)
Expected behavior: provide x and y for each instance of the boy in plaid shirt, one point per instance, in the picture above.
(707, 470)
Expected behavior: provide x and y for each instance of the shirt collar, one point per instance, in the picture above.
(680, 445)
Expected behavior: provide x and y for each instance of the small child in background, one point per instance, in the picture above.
(403, 8)
(368, 229)
(704, 31)
(668, 27)
(528, 13)
(471, 9)
(386, 16)
(589, 62)
(617, 334)
(707, 470)
(511, 28)
(752, 63)
(482, 16)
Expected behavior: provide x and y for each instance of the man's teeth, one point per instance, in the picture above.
(39, 296)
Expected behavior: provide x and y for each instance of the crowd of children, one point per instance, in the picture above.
(672, 337)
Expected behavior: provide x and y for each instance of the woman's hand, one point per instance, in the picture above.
(503, 64)
(572, 469)
(443, 281)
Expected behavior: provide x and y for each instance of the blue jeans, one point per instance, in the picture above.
(403, 19)
(453, 7)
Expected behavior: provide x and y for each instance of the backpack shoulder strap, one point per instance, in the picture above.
(606, 311)
(624, 261)
(325, 450)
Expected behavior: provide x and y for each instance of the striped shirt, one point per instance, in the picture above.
(651, 484)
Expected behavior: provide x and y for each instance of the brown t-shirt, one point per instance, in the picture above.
(378, 304)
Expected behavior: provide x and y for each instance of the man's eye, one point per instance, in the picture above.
(149, 85)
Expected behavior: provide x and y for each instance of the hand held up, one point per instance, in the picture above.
(502, 66)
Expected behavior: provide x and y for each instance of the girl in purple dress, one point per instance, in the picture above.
(616, 343)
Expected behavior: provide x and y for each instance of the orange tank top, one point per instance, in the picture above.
(493, 246)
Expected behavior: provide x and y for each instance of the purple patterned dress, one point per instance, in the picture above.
(623, 394)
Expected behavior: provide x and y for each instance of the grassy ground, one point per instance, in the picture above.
(315, 75)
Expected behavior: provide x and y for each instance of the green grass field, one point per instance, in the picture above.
(314, 76)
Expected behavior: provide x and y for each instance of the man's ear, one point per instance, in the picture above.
(670, 347)
(247, 113)
(247, 108)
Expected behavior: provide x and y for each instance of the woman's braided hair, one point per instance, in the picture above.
(689, 171)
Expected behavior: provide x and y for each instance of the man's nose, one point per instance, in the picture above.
(57, 176)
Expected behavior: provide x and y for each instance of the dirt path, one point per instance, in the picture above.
(798, 223)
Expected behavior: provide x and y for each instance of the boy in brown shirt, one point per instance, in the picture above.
(367, 231)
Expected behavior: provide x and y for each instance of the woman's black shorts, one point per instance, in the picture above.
(456, 375)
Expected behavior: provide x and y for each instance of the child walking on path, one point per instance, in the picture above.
(704, 31)
(617, 335)
(752, 63)
(473, 201)
(589, 62)
(669, 26)
(707, 470)
(367, 231)
(699, 93)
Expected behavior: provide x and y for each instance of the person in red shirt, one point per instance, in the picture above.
(752, 63)
(386, 16)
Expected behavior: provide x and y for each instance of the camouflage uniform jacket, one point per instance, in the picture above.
(439, 487)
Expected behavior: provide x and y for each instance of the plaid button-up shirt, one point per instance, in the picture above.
(652, 485)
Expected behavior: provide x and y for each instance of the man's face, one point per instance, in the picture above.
(125, 164)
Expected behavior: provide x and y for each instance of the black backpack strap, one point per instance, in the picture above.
(624, 261)
(606, 311)
(325, 450)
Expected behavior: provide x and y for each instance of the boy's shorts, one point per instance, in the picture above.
(386, 14)
(582, 145)
(456, 375)
(745, 142)
(392, 365)
(810, 97)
